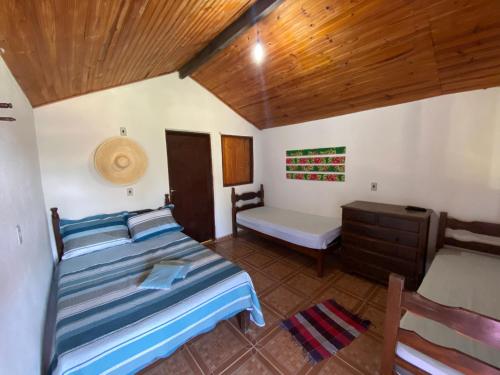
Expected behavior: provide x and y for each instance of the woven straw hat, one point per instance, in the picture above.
(120, 160)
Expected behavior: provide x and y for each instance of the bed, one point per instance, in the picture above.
(312, 235)
(106, 324)
(452, 323)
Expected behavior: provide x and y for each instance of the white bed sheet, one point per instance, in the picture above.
(460, 278)
(302, 229)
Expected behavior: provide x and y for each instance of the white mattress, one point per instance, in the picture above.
(460, 278)
(307, 230)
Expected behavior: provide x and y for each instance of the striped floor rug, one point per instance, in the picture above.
(324, 329)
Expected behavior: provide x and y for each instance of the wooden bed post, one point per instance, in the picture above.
(262, 193)
(244, 320)
(391, 324)
(443, 218)
(57, 232)
(167, 199)
(233, 212)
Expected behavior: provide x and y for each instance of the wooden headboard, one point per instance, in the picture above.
(235, 198)
(57, 233)
(478, 227)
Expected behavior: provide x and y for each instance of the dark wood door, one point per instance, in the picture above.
(191, 183)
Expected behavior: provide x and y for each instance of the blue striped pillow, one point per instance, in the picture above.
(93, 233)
(151, 224)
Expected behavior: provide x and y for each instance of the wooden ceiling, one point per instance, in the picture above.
(62, 48)
(331, 57)
(324, 57)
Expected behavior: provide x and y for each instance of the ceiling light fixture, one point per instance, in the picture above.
(258, 53)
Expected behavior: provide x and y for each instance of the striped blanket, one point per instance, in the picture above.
(106, 324)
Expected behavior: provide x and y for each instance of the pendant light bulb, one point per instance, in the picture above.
(258, 53)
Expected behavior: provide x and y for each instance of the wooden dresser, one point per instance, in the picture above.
(378, 239)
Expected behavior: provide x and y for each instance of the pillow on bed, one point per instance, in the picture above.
(165, 273)
(161, 276)
(151, 224)
(93, 233)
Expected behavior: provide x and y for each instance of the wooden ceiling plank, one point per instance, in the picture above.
(304, 71)
(166, 30)
(124, 40)
(245, 80)
(87, 46)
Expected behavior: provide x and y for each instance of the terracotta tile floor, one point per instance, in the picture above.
(286, 282)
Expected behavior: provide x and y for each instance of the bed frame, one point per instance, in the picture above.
(243, 317)
(319, 255)
(474, 325)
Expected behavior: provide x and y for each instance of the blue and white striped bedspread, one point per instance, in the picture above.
(106, 324)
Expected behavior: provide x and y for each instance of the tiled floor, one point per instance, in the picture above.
(286, 282)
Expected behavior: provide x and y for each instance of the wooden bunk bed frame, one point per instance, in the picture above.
(318, 255)
(469, 323)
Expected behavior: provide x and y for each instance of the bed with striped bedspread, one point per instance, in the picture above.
(106, 324)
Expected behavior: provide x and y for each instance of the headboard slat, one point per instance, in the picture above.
(477, 227)
(477, 246)
(488, 229)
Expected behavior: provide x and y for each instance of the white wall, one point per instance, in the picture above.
(442, 153)
(69, 131)
(25, 270)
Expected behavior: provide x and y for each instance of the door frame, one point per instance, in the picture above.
(211, 185)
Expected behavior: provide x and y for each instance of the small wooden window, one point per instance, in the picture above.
(237, 160)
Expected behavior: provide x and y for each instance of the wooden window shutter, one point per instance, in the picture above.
(237, 160)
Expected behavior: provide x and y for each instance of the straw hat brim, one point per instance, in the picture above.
(120, 160)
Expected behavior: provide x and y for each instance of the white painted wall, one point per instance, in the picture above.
(69, 131)
(442, 153)
(25, 270)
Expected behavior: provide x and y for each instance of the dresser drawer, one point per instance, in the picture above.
(361, 216)
(380, 274)
(380, 233)
(382, 247)
(377, 273)
(391, 264)
(399, 223)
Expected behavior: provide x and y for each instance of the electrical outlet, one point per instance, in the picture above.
(373, 186)
(123, 131)
(130, 192)
(19, 235)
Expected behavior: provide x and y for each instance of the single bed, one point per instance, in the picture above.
(312, 235)
(105, 323)
(452, 323)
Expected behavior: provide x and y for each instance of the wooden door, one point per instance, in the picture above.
(191, 183)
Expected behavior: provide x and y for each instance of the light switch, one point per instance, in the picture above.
(374, 186)
(123, 131)
(19, 235)
(130, 192)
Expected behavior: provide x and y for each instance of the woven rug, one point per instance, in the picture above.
(324, 329)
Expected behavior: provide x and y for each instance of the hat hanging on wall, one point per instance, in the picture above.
(120, 160)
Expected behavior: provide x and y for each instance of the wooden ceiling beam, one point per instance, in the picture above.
(254, 14)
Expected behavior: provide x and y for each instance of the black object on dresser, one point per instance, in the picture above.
(378, 239)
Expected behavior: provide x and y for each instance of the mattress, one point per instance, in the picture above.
(106, 324)
(459, 278)
(312, 231)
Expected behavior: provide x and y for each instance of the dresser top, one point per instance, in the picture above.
(390, 209)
